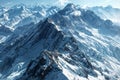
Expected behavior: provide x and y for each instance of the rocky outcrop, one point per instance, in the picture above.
(39, 68)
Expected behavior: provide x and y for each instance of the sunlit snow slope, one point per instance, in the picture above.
(69, 44)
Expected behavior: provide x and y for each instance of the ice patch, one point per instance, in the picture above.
(58, 28)
(3, 38)
(76, 13)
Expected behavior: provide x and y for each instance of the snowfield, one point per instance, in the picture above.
(52, 43)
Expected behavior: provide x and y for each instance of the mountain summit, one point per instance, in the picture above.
(69, 44)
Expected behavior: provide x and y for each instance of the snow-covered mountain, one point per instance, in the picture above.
(108, 12)
(68, 44)
(20, 15)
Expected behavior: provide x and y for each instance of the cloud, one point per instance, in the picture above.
(63, 2)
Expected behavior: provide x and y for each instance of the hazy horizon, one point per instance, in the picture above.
(83, 3)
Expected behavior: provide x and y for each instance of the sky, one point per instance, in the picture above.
(83, 3)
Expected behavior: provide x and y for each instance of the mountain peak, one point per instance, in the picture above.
(70, 6)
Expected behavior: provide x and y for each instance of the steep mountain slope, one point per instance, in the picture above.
(87, 47)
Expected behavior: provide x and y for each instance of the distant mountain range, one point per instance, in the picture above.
(50, 43)
(108, 12)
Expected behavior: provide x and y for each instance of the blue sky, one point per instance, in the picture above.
(114, 3)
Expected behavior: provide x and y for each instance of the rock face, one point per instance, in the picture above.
(37, 69)
(78, 47)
